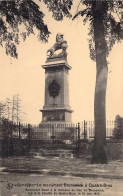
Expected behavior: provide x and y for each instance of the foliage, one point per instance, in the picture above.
(7, 128)
(59, 8)
(113, 29)
(11, 144)
(27, 12)
(118, 129)
(15, 13)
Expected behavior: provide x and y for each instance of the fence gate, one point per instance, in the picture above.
(55, 135)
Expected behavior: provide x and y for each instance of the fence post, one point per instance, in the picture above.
(29, 135)
(19, 130)
(78, 136)
(85, 124)
(52, 136)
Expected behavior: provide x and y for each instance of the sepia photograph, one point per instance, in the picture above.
(61, 97)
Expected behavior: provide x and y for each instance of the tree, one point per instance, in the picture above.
(10, 109)
(6, 133)
(16, 109)
(118, 129)
(15, 13)
(7, 128)
(8, 103)
(17, 105)
(2, 109)
(104, 31)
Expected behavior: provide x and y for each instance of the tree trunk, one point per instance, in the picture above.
(98, 152)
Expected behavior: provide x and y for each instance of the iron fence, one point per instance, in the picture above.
(23, 138)
(61, 134)
(87, 129)
(61, 131)
(65, 131)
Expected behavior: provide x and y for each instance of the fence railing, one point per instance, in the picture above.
(87, 129)
(84, 130)
(55, 135)
(61, 131)
(56, 131)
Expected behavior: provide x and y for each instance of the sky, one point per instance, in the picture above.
(25, 76)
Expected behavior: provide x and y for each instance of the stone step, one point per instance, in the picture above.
(52, 153)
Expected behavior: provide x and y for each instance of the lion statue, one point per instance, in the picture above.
(60, 44)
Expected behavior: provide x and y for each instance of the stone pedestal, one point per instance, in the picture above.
(56, 108)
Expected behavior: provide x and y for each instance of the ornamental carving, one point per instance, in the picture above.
(54, 89)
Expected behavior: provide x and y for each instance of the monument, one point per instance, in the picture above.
(56, 107)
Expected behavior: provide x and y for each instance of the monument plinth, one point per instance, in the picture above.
(56, 108)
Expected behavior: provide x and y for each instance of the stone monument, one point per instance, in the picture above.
(56, 107)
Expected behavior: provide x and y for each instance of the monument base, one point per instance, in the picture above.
(56, 115)
(56, 123)
(57, 131)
